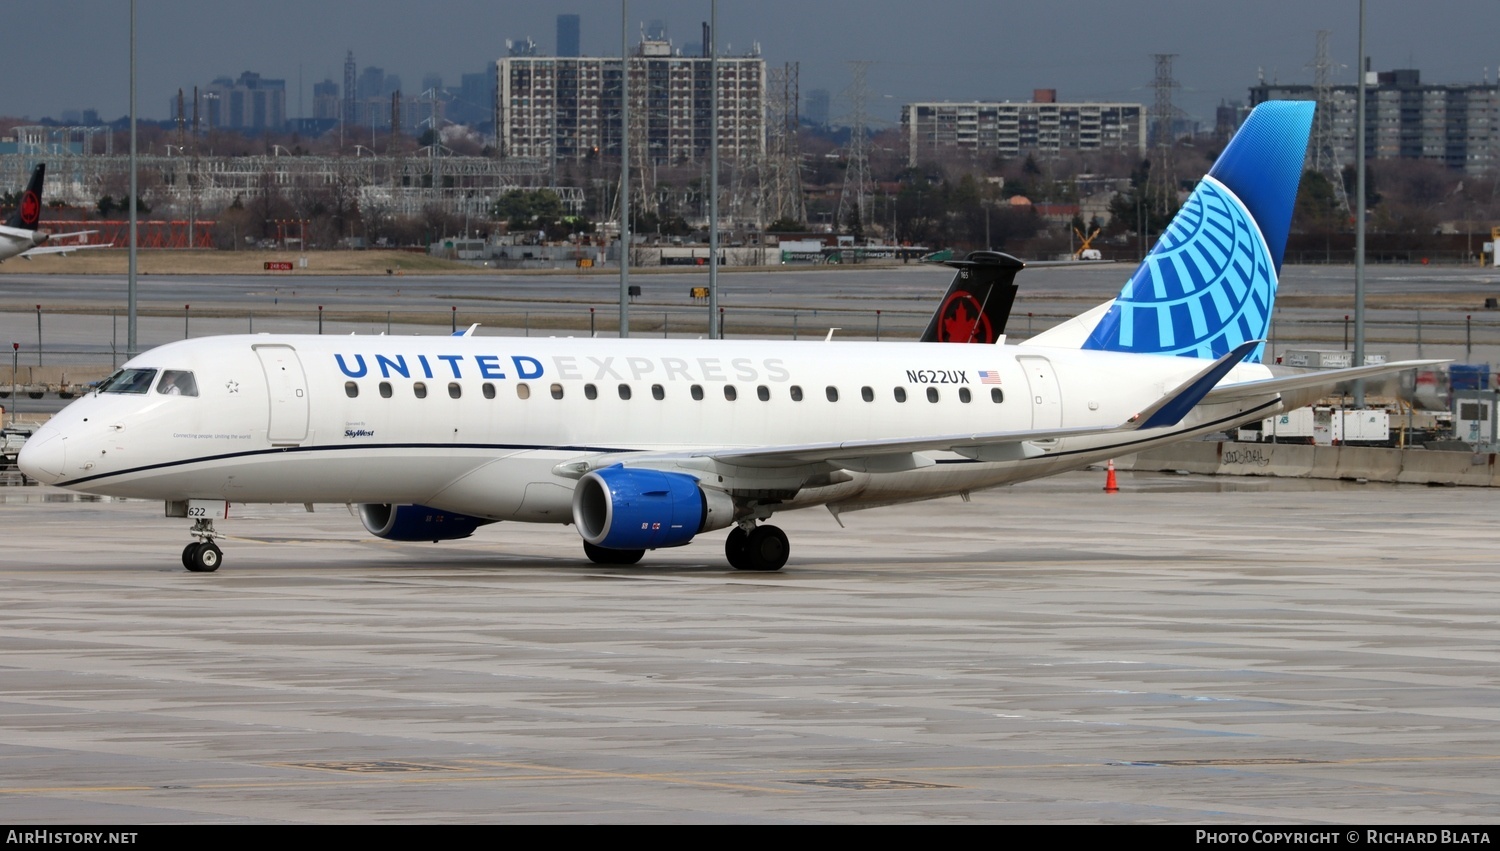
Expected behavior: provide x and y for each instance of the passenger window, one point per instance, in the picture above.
(624, 391)
(730, 393)
(996, 396)
(796, 393)
(867, 394)
(489, 390)
(523, 391)
(454, 391)
(351, 389)
(900, 394)
(557, 391)
(420, 388)
(590, 391)
(832, 393)
(697, 393)
(932, 394)
(176, 382)
(763, 393)
(963, 395)
(385, 390)
(658, 392)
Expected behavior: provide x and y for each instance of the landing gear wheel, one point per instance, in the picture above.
(734, 549)
(189, 553)
(605, 555)
(766, 548)
(206, 557)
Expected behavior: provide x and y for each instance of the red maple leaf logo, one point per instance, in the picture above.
(31, 208)
(963, 321)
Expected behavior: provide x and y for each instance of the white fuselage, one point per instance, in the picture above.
(17, 241)
(483, 425)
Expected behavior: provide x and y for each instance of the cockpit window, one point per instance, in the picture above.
(128, 381)
(177, 382)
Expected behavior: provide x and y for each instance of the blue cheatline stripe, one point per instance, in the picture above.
(287, 450)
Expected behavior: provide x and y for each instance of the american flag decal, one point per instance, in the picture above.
(989, 376)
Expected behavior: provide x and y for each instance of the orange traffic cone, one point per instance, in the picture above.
(1110, 485)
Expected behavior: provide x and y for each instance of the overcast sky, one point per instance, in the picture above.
(73, 54)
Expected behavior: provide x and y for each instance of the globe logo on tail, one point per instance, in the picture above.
(1206, 287)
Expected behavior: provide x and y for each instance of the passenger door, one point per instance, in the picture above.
(286, 387)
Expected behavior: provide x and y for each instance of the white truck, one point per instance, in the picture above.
(1326, 426)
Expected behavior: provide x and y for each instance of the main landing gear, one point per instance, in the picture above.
(605, 555)
(759, 548)
(202, 555)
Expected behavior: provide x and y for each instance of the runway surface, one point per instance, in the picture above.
(1249, 652)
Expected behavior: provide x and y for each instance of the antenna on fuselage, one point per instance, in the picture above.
(829, 338)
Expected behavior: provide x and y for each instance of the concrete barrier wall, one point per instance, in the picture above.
(1448, 468)
(1266, 459)
(1367, 462)
(1193, 457)
(1375, 464)
(51, 378)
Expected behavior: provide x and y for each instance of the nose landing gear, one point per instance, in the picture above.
(202, 555)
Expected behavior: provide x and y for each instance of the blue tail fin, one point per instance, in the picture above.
(1209, 284)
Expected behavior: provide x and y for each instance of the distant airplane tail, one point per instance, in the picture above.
(28, 213)
(978, 302)
(1209, 284)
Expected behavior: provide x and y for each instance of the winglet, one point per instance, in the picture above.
(1171, 408)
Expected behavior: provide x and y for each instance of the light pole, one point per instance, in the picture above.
(130, 325)
(624, 171)
(1359, 216)
(713, 170)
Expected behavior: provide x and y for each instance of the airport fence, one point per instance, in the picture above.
(58, 349)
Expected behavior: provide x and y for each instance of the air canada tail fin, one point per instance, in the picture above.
(978, 302)
(1209, 284)
(28, 213)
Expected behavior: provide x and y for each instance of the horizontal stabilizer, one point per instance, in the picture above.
(1329, 378)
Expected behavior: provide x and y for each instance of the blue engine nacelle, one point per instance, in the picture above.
(417, 523)
(625, 509)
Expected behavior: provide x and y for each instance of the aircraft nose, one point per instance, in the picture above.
(41, 456)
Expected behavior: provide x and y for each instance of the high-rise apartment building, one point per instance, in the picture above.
(569, 108)
(1456, 125)
(251, 102)
(1010, 129)
(567, 36)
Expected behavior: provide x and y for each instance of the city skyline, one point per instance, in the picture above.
(957, 50)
